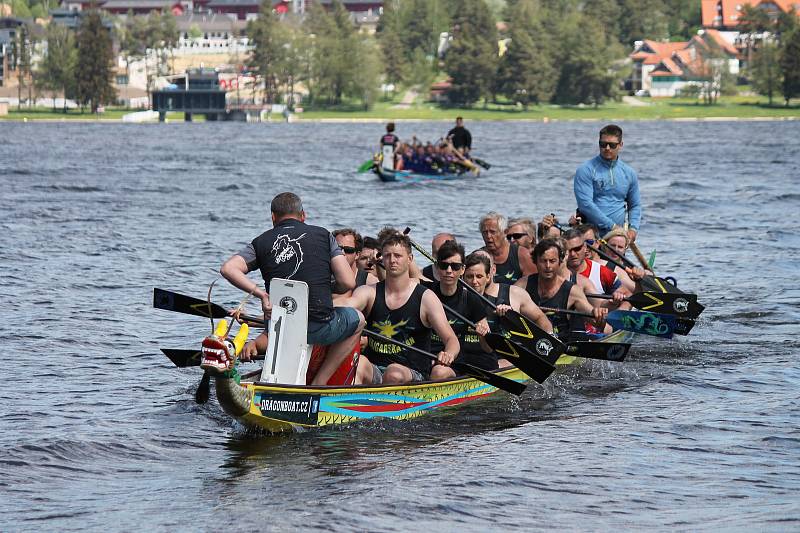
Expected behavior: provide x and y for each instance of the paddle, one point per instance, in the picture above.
(482, 163)
(524, 359)
(653, 324)
(179, 303)
(642, 300)
(528, 333)
(495, 380)
(640, 256)
(604, 351)
(183, 358)
(664, 296)
(366, 166)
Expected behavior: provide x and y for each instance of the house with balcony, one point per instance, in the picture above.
(664, 69)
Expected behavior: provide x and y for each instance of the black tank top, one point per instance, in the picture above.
(560, 321)
(503, 297)
(510, 271)
(403, 324)
(467, 304)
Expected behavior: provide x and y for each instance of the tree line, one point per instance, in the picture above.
(554, 51)
(560, 51)
(81, 64)
(772, 52)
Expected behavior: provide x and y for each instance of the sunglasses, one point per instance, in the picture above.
(516, 236)
(611, 145)
(590, 242)
(444, 265)
(348, 249)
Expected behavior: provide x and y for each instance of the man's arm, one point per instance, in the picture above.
(525, 261)
(235, 271)
(579, 302)
(527, 308)
(343, 274)
(583, 185)
(634, 201)
(434, 317)
(468, 139)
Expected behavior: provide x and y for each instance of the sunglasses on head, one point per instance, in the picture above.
(348, 249)
(606, 144)
(590, 242)
(516, 236)
(444, 265)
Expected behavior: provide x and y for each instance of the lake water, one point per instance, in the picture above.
(100, 432)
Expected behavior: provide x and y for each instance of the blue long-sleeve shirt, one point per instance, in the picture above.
(603, 189)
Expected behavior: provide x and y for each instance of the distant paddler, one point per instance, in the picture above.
(388, 143)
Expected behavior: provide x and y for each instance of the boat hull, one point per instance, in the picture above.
(279, 408)
(407, 176)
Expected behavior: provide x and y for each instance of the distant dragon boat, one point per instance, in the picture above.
(408, 176)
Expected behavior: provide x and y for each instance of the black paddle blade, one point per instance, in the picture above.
(537, 368)
(172, 301)
(203, 389)
(490, 378)
(532, 337)
(679, 304)
(683, 326)
(183, 358)
(603, 351)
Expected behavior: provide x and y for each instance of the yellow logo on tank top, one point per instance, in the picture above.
(387, 328)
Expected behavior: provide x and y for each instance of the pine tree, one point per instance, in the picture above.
(471, 61)
(526, 73)
(790, 65)
(587, 75)
(95, 66)
(388, 33)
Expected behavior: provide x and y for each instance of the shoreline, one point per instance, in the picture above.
(383, 120)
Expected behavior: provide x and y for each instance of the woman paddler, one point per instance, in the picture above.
(474, 350)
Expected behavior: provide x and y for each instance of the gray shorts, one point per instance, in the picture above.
(343, 324)
(377, 374)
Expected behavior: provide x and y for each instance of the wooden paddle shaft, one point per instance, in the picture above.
(638, 253)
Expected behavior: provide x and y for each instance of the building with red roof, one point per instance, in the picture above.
(725, 14)
(663, 69)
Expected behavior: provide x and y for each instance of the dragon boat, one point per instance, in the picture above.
(278, 398)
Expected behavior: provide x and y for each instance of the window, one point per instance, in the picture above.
(122, 79)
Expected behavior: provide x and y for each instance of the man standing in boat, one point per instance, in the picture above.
(404, 310)
(511, 261)
(607, 189)
(460, 137)
(298, 251)
(389, 144)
